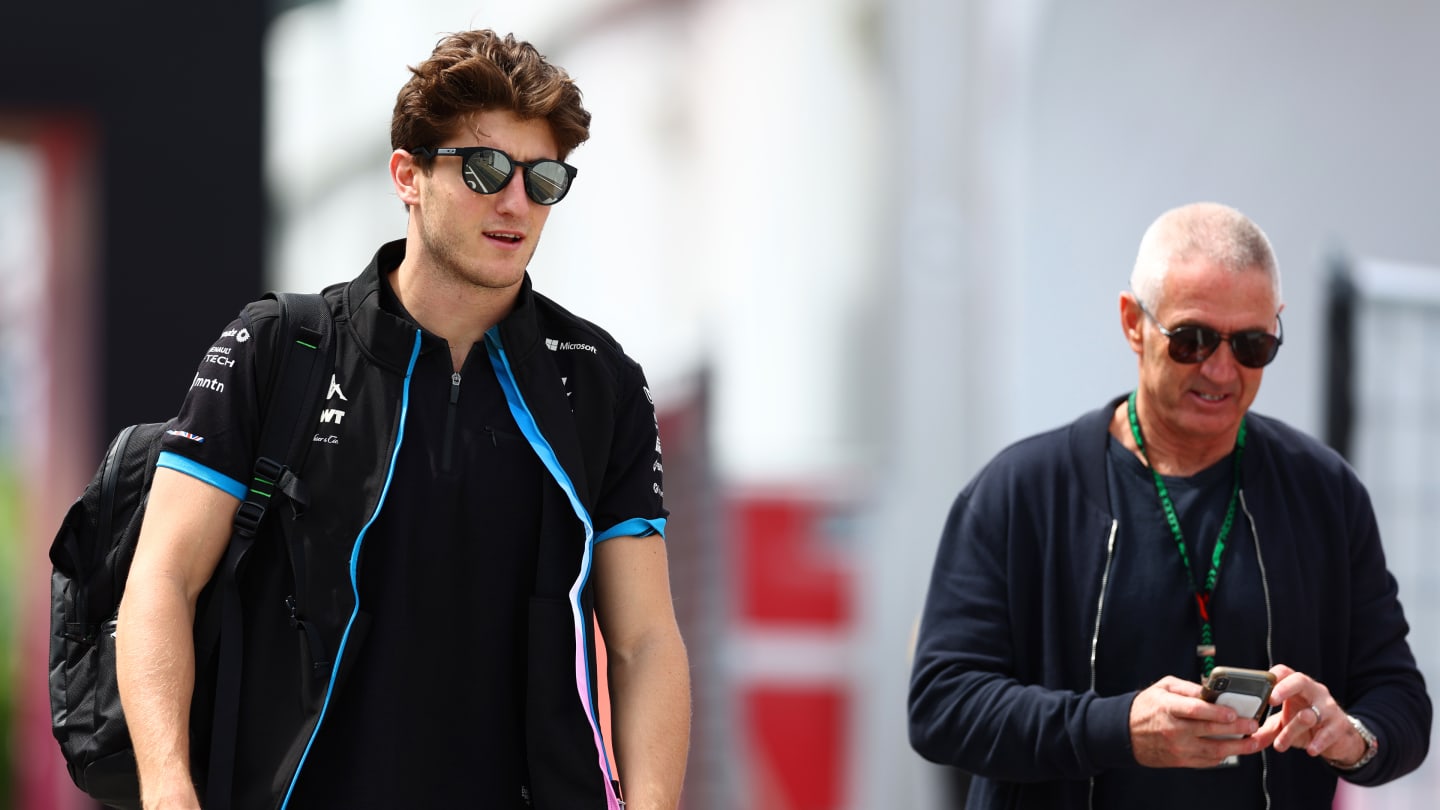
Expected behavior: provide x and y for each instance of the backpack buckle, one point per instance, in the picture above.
(248, 517)
(268, 471)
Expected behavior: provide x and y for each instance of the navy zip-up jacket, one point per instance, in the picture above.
(1003, 679)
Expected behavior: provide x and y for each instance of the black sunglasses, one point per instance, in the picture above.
(1193, 344)
(486, 170)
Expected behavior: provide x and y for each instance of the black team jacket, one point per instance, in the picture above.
(566, 404)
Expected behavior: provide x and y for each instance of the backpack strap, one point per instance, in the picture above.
(98, 588)
(304, 343)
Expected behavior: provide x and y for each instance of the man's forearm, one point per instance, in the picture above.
(155, 667)
(650, 694)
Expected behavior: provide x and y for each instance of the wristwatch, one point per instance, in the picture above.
(1372, 747)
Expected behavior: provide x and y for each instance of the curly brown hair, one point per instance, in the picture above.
(474, 71)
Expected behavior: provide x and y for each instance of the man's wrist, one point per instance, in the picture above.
(1372, 746)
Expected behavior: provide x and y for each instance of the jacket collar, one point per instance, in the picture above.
(1090, 437)
(387, 332)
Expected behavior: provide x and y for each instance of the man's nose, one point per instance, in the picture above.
(513, 198)
(1221, 365)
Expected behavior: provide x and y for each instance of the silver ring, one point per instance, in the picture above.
(1316, 709)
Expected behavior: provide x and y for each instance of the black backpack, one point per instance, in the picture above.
(91, 556)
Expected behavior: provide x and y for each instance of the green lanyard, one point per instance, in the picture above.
(1206, 649)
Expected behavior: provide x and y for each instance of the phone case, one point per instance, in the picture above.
(1247, 691)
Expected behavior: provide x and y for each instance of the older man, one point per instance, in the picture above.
(1089, 578)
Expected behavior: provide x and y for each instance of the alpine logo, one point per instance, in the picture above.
(182, 434)
(333, 416)
(566, 346)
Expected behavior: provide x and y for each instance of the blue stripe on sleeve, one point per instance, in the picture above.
(634, 527)
(194, 469)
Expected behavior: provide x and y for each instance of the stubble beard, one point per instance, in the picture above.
(454, 268)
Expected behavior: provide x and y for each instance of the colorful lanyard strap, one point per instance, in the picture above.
(1206, 649)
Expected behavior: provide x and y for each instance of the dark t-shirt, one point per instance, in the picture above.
(1151, 624)
(432, 716)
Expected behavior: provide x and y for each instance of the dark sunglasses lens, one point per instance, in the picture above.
(1192, 344)
(487, 171)
(1254, 349)
(547, 181)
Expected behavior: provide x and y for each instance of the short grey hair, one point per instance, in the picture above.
(1207, 230)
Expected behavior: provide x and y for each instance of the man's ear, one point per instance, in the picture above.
(405, 175)
(1132, 321)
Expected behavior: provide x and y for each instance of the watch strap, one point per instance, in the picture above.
(1372, 746)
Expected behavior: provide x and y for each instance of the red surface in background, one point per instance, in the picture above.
(798, 743)
(791, 579)
(787, 573)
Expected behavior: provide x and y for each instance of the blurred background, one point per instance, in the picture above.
(858, 245)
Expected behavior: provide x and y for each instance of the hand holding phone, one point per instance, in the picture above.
(1247, 691)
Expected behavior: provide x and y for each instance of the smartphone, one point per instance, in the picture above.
(1247, 691)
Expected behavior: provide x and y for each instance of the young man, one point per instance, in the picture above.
(486, 474)
(1090, 577)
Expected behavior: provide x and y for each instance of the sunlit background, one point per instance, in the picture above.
(858, 245)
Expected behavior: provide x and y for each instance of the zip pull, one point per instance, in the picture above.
(448, 454)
